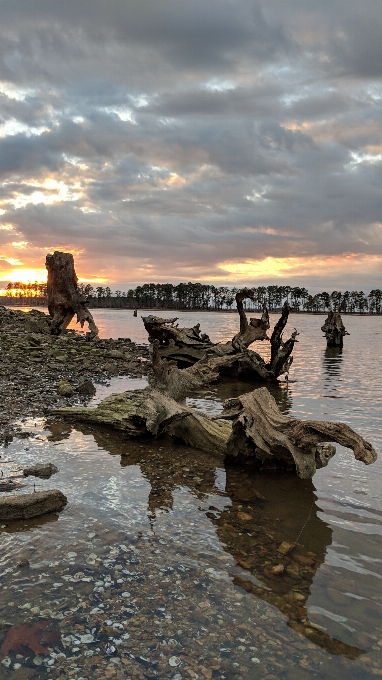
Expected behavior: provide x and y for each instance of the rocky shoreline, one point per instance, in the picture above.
(39, 370)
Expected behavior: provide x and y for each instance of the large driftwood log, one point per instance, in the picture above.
(186, 346)
(64, 298)
(271, 440)
(334, 330)
(259, 434)
(150, 412)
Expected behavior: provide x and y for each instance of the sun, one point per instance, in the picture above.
(25, 275)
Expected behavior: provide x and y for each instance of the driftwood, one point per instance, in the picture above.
(149, 412)
(178, 383)
(271, 440)
(186, 346)
(64, 298)
(334, 330)
(259, 434)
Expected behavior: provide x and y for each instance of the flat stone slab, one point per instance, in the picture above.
(24, 506)
(40, 470)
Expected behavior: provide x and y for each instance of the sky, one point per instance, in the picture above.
(227, 141)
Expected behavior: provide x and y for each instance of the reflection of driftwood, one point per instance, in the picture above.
(187, 346)
(64, 298)
(246, 527)
(334, 330)
(260, 432)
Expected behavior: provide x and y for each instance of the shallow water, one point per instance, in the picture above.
(194, 542)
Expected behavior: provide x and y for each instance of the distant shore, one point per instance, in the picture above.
(156, 310)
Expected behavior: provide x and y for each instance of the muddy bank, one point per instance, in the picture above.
(39, 370)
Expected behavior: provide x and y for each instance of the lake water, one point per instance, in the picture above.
(176, 550)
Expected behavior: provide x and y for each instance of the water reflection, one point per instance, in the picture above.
(332, 362)
(210, 400)
(260, 515)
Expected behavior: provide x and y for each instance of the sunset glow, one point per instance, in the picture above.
(248, 156)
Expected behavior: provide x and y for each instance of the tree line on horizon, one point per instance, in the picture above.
(200, 296)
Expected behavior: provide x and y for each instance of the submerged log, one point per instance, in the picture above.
(262, 435)
(64, 298)
(334, 330)
(186, 346)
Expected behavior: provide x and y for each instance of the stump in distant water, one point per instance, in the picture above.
(334, 330)
(64, 298)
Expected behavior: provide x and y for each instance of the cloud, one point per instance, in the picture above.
(169, 139)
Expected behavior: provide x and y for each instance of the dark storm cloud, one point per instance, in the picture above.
(194, 133)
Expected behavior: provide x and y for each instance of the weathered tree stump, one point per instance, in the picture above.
(186, 346)
(64, 298)
(334, 330)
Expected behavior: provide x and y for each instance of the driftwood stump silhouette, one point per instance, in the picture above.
(334, 330)
(64, 298)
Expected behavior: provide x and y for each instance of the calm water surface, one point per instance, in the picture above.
(194, 542)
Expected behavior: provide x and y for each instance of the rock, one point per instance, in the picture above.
(278, 569)
(244, 516)
(110, 368)
(116, 354)
(285, 548)
(65, 389)
(87, 388)
(24, 506)
(23, 563)
(41, 470)
(303, 559)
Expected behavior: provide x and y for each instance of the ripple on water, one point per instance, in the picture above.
(200, 543)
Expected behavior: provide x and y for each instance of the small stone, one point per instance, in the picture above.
(285, 548)
(278, 569)
(41, 470)
(244, 516)
(65, 389)
(174, 661)
(87, 639)
(23, 563)
(87, 389)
